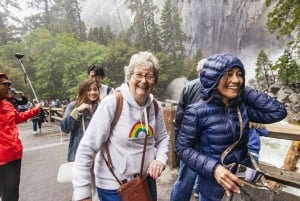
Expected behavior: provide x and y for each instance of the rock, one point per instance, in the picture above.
(283, 93)
(295, 108)
(294, 98)
(274, 88)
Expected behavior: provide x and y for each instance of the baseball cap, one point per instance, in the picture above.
(4, 78)
(13, 90)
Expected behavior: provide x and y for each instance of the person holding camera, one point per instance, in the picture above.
(11, 149)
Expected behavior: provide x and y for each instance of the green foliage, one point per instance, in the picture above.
(287, 66)
(101, 35)
(62, 61)
(118, 56)
(57, 53)
(145, 29)
(191, 65)
(9, 64)
(263, 73)
(285, 17)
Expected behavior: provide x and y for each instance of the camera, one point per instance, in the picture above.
(248, 174)
(19, 55)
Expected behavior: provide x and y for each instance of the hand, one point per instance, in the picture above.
(38, 105)
(227, 180)
(155, 169)
(83, 106)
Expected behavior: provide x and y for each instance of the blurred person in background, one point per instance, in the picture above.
(97, 73)
(38, 120)
(17, 98)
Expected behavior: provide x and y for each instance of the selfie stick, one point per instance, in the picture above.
(19, 56)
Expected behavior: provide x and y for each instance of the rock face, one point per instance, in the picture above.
(228, 26)
(214, 26)
(234, 26)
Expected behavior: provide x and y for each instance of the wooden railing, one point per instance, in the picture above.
(54, 113)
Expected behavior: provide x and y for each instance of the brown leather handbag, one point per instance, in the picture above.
(136, 189)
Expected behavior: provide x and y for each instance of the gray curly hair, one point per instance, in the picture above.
(145, 60)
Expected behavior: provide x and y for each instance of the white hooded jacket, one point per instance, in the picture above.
(126, 141)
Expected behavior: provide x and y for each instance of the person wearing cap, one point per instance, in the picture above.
(186, 180)
(11, 149)
(12, 93)
(220, 119)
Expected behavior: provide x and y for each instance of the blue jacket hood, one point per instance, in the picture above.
(214, 68)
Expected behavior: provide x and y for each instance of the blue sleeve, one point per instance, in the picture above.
(68, 123)
(262, 131)
(262, 108)
(185, 145)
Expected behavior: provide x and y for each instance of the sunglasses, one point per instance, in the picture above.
(6, 84)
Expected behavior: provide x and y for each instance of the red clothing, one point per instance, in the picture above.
(11, 147)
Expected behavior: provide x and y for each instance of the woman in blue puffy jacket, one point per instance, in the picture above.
(214, 124)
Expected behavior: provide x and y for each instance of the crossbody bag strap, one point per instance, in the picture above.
(145, 143)
(230, 148)
(108, 161)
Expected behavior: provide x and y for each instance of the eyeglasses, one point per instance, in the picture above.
(140, 77)
(6, 84)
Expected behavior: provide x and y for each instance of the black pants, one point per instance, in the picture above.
(10, 180)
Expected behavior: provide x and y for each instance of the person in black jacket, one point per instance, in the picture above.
(12, 93)
(38, 120)
(186, 176)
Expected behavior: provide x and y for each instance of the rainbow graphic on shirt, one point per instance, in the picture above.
(138, 131)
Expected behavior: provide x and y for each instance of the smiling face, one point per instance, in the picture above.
(230, 84)
(93, 93)
(141, 84)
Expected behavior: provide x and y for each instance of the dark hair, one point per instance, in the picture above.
(99, 70)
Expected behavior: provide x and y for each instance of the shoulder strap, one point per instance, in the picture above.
(108, 90)
(119, 108)
(230, 148)
(155, 104)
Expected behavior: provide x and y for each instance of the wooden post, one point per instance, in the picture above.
(169, 115)
(292, 156)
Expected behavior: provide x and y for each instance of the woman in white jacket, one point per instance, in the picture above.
(126, 138)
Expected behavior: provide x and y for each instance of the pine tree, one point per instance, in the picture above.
(287, 65)
(8, 32)
(172, 36)
(145, 29)
(285, 17)
(263, 73)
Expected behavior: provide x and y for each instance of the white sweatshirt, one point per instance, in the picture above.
(125, 143)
